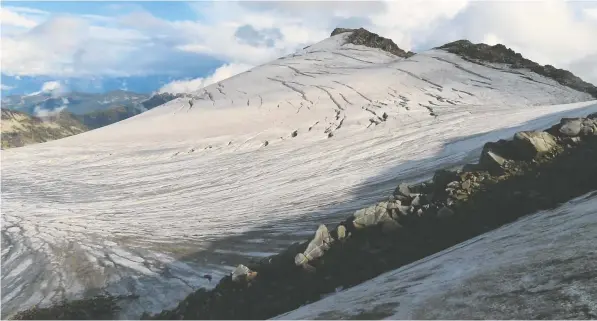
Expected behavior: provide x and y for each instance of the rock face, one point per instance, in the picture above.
(533, 144)
(20, 129)
(538, 170)
(101, 118)
(499, 53)
(366, 38)
(159, 99)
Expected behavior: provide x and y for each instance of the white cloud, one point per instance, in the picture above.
(591, 13)
(43, 113)
(54, 88)
(189, 86)
(6, 87)
(13, 18)
(548, 32)
(51, 86)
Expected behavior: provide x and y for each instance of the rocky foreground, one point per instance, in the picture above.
(533, 171)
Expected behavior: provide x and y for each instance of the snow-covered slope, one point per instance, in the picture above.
(539, 267)
(150, 204)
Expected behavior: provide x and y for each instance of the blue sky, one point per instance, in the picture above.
(144, 45)
(170, 10)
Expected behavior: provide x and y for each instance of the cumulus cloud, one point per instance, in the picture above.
(52, 88)
(5, 87)
(13, 18)
(189, 86)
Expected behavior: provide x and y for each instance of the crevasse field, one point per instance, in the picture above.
(247, 166)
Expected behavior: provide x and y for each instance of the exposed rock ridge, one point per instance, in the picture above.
(366, 38)
(534, 170)
(480, 53)
(160, 99)
(20, 129)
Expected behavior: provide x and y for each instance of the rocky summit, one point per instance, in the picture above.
(366, 38)
(483, 53)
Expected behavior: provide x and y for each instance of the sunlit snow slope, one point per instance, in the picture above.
(148, 205)
(539, 267)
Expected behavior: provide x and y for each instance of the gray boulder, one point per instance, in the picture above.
(319, 244)
(570, 127)
(243, 273)
(402, 190)
(533, 144)
(372, 215)
(491, 161)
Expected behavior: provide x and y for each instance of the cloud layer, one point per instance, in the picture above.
(188, 86)
(137, 43)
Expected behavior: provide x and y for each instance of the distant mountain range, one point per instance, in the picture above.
(28, 119)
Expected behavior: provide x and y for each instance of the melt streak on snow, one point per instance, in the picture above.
(541, 266)
(148, 205)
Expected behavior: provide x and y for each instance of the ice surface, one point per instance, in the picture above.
(542, 266)
(150, 204)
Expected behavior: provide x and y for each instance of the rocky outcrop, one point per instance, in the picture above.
(366, 38)
(20, 129)
(530, 172)
(101, 118)
(160, 99)
(480, 53)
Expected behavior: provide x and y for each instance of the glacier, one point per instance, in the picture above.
(247, 166)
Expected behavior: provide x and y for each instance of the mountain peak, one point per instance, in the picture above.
(480, 52)
(364, 37)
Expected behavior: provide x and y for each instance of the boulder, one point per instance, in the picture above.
(491, 161)
(416, 201)
(570, 126)
(466, 184)
(531, 145)
(402, 190)
(243, 273)
(321, 242)
(341, 232)
(371, 215)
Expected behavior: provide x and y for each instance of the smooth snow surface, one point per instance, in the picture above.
(148, 205)
(539, 267)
